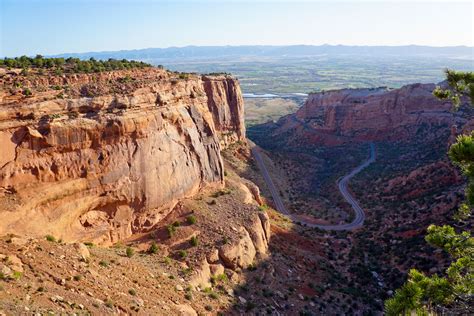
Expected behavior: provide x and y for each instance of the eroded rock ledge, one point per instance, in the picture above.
(252, 243)
(367, 114)
(101, 156)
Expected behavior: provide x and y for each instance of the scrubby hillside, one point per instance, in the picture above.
(410, 185)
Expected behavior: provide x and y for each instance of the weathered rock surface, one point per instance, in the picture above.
(252, 241)
(202, 276)
(100, 156)
(82, 251)
(186, 310)
(339, 116)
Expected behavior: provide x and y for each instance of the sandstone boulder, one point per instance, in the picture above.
(201, 276)
(82, 251)
(213, 256)
(185, 310)
(217, 269)
(239, 253)
(15, 263)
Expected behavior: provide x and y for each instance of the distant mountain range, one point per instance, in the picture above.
(207, 52)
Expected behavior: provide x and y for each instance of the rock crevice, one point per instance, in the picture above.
(118, 159)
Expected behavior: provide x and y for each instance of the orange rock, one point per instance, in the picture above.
(99, 164)
(335, 117)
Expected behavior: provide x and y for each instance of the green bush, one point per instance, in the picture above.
(130, 252)
(194, 241)
(171, 230)
(27, 92)
(16, 275)
(104, 264)
(153, 248)
(50, 238)
(191, 219)
(183, 254)
(219, 278)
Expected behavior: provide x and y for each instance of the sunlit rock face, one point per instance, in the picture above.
(100, 156)
(339, 116)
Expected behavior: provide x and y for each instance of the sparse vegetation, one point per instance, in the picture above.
(50, 238)
(219, 278)
(191, 219)
(153, 248)
(182, 254)
(16, 275)
(27, 92)
(452, 293)
(129, 252)
(103, 263)
(194, 241)
(109, 303)
(167, 260)
(171, 229)
(252, 267)
(77, 277)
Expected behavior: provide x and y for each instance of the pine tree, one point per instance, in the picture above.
(453, 292)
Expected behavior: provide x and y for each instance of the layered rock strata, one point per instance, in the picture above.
(101, 156)
(340, 116)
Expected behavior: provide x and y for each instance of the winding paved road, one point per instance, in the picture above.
(341, 184)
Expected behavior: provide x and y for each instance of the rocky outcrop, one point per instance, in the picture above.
(227, 107)
(340, 116)
(252, 240)
(251, 243)
(100, 156)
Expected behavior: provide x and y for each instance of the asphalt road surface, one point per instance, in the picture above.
(341, 184)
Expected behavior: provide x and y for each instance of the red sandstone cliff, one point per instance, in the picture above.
(99, 156)
(340, 116)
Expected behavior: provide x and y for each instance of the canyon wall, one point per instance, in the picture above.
(336, 117)
(101, 156)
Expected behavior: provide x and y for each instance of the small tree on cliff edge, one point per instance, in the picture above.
(452, 293)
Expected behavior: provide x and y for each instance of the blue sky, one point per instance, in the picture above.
(62, 26)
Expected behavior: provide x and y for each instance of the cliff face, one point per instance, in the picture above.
(340, 116)
(101, 156)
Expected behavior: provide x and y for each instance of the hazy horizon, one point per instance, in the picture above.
(60, 27)
(246, 45)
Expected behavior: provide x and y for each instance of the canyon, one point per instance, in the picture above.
(340, 116)
(411, 184)
(128, 157)
(136, 192)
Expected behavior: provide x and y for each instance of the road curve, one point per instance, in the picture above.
(341, 184)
